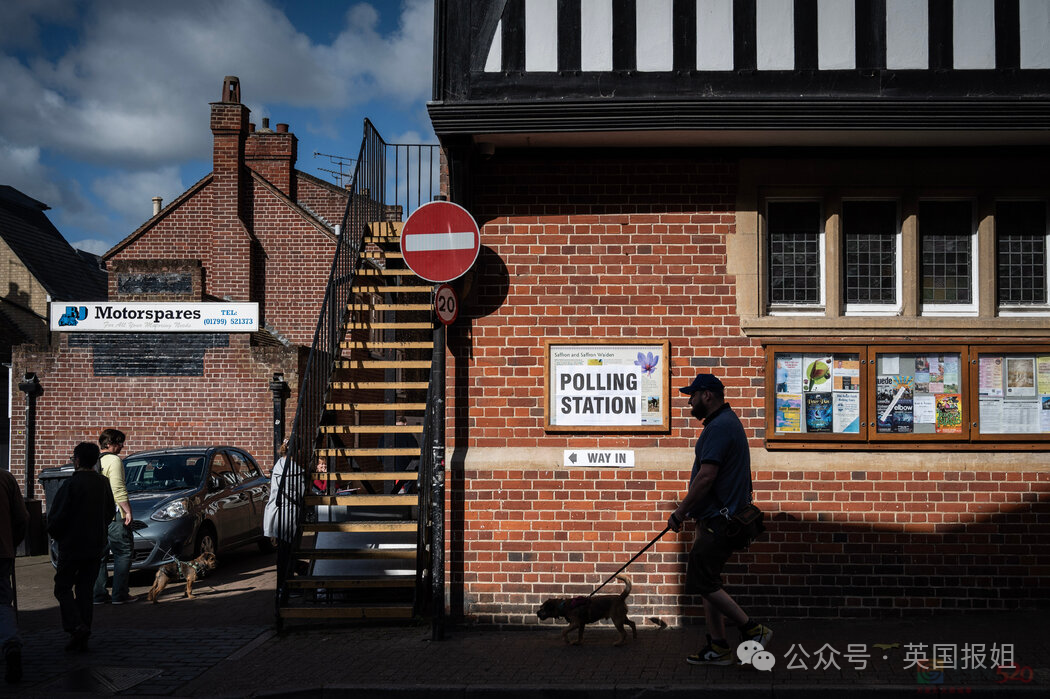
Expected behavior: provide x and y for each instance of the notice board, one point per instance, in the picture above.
(606, 386)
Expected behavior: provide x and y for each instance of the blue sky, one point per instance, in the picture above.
(104, 104)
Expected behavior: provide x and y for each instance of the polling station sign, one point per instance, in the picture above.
(96, 317)
(614, 386)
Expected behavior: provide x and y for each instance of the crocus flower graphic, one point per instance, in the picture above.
(647, 362)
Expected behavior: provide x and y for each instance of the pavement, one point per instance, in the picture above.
(223, 644)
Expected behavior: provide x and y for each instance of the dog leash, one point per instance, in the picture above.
(613, 576)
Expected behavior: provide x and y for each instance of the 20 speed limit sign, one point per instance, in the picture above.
(446, 305)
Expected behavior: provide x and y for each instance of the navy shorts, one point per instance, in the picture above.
(709, 554)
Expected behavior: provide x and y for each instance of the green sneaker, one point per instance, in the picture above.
(711, 654)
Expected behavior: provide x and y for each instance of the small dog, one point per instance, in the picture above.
(190, 571)
(580, 611)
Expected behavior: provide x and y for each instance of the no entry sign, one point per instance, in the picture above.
(440, 241)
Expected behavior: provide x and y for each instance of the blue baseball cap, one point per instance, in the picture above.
(704, 382)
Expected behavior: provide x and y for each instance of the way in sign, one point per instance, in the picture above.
(599, 457)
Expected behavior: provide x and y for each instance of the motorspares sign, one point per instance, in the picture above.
(614, 386)
(91, 316)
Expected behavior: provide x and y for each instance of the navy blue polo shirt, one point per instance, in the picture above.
(723, 442)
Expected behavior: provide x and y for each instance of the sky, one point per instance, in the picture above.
(104, 103)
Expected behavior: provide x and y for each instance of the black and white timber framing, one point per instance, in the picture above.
(514, 66)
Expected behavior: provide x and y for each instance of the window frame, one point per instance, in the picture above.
(875, 309)
(797, 309)
(1021, 310)
(971, 309)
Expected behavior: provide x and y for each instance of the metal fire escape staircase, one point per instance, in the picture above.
(358, 534)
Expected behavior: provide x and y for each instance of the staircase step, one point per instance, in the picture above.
(311, 582)
(385, 229)
(358, 407)
(390, 326)
(381, 255)
(362, 500)
(382, 364)
(368, 452)
(333, 612)
(365, 475)
(372, 288)
(366, 385)
(383, 344)
(371, 429)
(368, 272)
(389, 307)
(359, 527)
(408, 554)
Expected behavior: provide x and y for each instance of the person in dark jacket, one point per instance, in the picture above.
(78, 520)
(13, 519)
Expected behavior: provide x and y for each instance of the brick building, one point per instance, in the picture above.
(839, 208)
(254, 229)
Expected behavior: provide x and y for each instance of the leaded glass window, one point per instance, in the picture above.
(870, 244)
(1020, 231)
(946, 232)
(794, 253)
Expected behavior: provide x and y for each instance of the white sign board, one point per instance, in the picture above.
(145, 316)
(613, 386)
(621, 458)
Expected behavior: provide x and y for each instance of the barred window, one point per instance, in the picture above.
(1020, 231)
(794, 253)
(870, 246)
(946, 232)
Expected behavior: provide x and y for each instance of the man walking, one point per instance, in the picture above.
(77, 521)
(719, 487)
(112, 443)
(13, 519)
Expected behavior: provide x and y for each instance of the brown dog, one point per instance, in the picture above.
(580, 611)
(190, 571)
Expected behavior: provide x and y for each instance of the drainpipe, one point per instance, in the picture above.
(30, 386)
(279, 388)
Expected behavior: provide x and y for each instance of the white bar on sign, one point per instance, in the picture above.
(598, 458)
(422, 242)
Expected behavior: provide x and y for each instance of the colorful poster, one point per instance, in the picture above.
(1042, 372)
(1020, 376)
(1044, 414)
(818, 412)
(816, 374)
(883, 396)
(789, 412)
(936, 375)
(949, 413)
(846, 373)
(789, 373)
(990, 376)
(991, 414)
(846, 406)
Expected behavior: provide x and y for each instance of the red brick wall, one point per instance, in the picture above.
(230, 404)
(585, 246)
(322, 198)
(273, 155)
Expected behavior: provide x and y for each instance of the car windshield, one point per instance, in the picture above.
(163, 472)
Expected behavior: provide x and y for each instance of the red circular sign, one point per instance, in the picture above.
(446, 304)
(440, 241)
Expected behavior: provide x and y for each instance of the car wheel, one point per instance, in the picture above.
(206, 541)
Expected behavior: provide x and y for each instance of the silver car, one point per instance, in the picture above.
(187, 500)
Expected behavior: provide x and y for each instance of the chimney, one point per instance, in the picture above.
(272, 154)
(157, 205)
(229, 273)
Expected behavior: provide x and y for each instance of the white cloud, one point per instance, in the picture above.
(95, 247)
(129, 195)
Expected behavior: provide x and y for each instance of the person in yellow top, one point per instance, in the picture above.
(111, 442)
